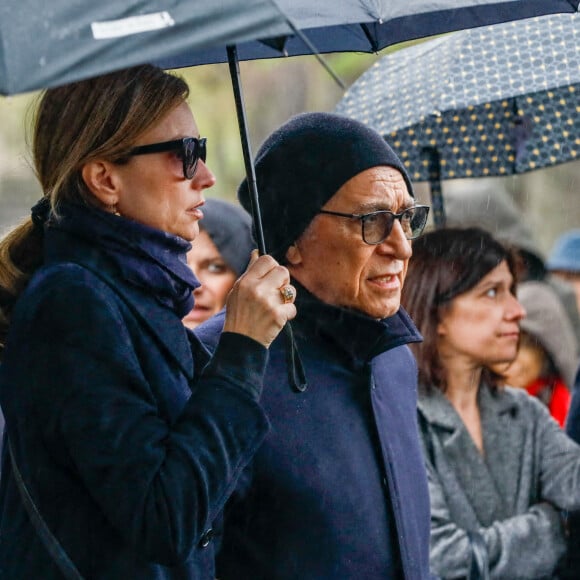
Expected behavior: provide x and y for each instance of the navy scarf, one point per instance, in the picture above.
(150, 259)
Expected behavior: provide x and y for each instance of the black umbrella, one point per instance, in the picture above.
(492, 101)
(45, 44)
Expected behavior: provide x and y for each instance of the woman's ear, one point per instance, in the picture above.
(101, 180)
(293, 255)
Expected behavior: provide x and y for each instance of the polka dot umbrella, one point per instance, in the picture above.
(491, 101)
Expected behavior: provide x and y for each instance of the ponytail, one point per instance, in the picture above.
(20, 255)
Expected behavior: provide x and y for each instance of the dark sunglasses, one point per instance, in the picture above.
(190, 151)
(378, 225)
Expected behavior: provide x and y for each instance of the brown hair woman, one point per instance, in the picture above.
(126, 435)
(500, 469)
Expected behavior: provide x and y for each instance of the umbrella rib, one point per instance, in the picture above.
(311, 46)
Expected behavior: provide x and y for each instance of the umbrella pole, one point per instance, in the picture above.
(435, 186)
(296, 374)
(245, 139)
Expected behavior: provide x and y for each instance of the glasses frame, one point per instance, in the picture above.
(191, 150)
(396, 216)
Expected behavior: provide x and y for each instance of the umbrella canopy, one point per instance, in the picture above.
(44, 44)
(492, 101)
(371, 25)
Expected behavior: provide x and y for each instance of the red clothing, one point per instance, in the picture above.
(555, 394)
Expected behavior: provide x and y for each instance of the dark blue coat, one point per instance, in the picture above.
(338, 489)
(127, 466)
(570, 566)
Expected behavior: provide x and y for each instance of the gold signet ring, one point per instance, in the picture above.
(288, 294)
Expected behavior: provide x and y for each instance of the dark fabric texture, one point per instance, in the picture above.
(230, 228)
(338, 488)
(303, 164)
(128, 449)
(571, 563)
(145, 257)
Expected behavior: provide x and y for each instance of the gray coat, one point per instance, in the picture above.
(512, 496)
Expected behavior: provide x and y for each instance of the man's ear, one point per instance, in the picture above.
(101, 179)
(293, 255)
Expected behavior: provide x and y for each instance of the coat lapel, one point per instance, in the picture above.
(504, 440)
(168, 330)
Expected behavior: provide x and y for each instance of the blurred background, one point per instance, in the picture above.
(275, 90)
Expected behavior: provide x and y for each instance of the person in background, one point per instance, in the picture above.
(338, 489)
(564, 260)
(546, 361)
(218, 257)
(123, 433)
(500, 469)
(490, 206)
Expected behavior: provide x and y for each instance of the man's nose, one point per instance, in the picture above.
(396, 243)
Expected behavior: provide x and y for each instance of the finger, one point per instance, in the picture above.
(253, 257)
(290, 311)
(262, 266)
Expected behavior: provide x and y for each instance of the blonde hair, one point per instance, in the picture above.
(99, 118)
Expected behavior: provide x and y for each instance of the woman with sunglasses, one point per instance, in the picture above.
(500, 469)
(122, 435)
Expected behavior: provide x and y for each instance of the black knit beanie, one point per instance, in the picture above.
(230, 228)
(303, 164)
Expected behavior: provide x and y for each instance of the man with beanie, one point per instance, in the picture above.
(338, 489)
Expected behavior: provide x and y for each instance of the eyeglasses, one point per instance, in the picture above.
(190, 151)
(378, 225)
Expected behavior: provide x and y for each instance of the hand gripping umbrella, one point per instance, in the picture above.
(491, 101)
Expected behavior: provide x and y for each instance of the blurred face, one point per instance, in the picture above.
(333, 262)
(152, 188)
(215, 276)
(527, 366)
(481, 326)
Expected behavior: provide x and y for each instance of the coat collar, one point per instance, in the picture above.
(161, 321)
(489, 481)
(360, 337)
(437, 409)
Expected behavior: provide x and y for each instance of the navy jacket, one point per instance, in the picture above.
(338, 489)
(126, 465)
(570, 565)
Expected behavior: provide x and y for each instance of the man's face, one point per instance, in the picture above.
(333, 262)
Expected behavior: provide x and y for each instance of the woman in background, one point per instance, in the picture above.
(218, 257)
(500, 469)
(546, 362)
(127, 438)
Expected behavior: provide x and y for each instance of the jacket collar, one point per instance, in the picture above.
(162, 322)
(360, 337)
(437, 409)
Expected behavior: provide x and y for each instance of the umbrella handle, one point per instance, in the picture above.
(296, 374)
